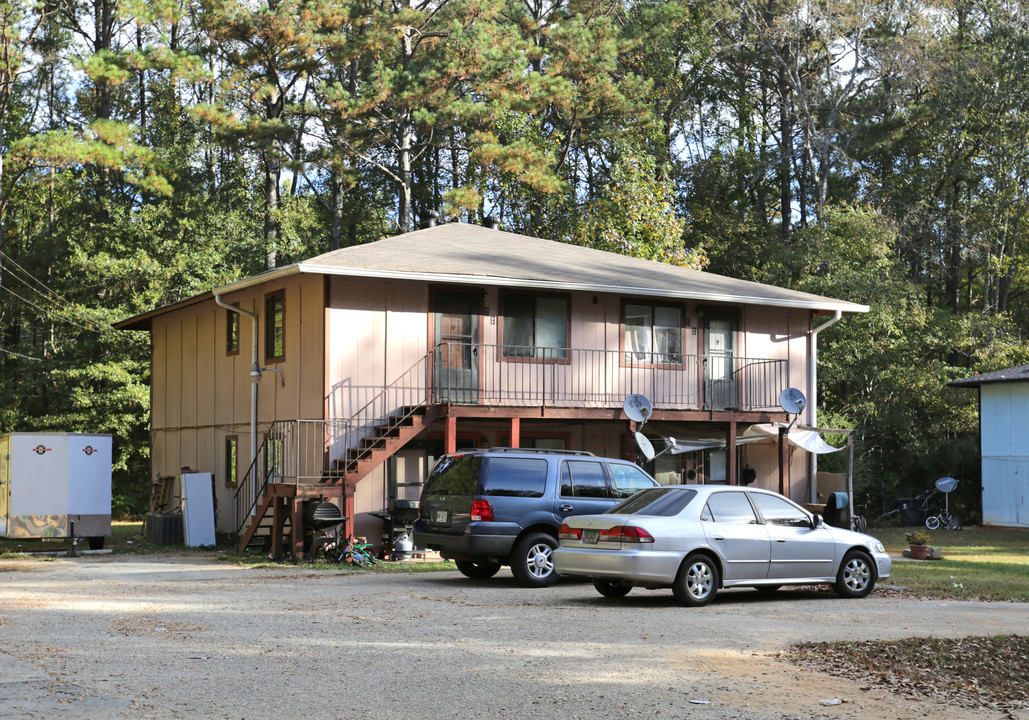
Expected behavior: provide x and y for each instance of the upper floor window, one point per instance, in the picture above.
(535, 327)
(653, 334)
(275, 326)
(231, 332)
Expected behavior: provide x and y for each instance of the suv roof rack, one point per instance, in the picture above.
(541, 451)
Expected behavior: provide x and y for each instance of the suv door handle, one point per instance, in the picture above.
(566, 508)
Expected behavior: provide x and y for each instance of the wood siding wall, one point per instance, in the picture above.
(200, 394)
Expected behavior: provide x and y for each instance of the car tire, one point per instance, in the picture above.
(697, 582)
(532, 561)
(856, 576)
(96, 543)
(612, 588)
(477, 570)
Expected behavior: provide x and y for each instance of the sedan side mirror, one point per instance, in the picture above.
(816, 521)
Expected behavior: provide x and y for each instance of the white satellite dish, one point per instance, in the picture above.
(792, 401)
(946, 484)
(644, 445)
(637, 408)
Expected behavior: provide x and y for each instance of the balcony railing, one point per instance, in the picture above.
(505, 375)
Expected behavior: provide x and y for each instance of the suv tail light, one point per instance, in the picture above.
(625, 534)
(482, 511)
(567, 533)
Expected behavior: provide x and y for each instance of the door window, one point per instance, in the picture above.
(777, 511)
(628, 479)
(729, 507)
(583, 478)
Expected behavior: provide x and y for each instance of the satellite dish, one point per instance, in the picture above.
(637, 408)
(792, 401)
(644, 445)
(946, 484)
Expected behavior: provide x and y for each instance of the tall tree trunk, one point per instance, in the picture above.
(405, 141)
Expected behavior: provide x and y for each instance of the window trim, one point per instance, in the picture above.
(269, 328)
(624, 351)
(567, 360)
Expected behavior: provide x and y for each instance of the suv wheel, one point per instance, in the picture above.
(477, 570)
(532, 563)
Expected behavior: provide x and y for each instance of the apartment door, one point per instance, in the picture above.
(720, 386)
(456, 363)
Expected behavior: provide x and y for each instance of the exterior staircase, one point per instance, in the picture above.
(292, 464)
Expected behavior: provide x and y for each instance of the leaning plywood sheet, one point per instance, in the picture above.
(198, 509)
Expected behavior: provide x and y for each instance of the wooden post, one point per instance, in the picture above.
(784, 462)
(298, 529)
(730, 454)
(450, 435)
(516, 432)
(278, 524)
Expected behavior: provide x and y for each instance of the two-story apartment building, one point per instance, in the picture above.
(349, 373)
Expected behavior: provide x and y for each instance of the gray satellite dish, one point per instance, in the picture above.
(946, 484)
(644, 445)
(792, 401)
(637, 408)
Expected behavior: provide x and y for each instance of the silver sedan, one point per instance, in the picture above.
(697, 539)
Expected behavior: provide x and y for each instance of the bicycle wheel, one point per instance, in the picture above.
(953, 523)
(932, 522)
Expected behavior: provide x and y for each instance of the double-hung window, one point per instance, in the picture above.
(653, 334)
(535, 327)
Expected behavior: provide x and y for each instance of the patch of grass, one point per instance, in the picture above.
(973, 672)
(978, 564)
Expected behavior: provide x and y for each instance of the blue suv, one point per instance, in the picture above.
(503, 506)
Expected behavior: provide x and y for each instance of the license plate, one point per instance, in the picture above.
(442, 517)
(589, 536)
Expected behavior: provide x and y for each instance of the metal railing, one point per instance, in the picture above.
(476, 374)
(294, 452)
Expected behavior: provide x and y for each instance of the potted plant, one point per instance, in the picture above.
(919, 544)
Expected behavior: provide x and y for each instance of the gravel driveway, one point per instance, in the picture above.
(193, 637)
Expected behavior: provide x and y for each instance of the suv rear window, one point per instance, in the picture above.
(454, 475)
(629, 479)
(516, 477)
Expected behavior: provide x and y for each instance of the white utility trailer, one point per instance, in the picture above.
(55, 485)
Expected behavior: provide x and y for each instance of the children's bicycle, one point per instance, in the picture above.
(944, 519)
(357, 553)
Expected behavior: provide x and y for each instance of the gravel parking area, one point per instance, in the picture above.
(193, 637)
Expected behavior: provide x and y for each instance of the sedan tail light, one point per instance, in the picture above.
(625, 534)
(482, 511)
(568, 533)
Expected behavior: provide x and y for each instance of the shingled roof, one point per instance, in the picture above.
(1007, 375)
(461, 253)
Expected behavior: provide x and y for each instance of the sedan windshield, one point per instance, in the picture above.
(663, 502)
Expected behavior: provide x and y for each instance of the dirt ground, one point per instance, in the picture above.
(194, 637)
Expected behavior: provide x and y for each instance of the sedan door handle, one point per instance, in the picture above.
(780, 540)
(718, 537)
(566, 508)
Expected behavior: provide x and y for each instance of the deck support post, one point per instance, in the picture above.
(730, 455)
(516, 432)
(784, 462)
(278, 527)
(450, 435)
(297, 523)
